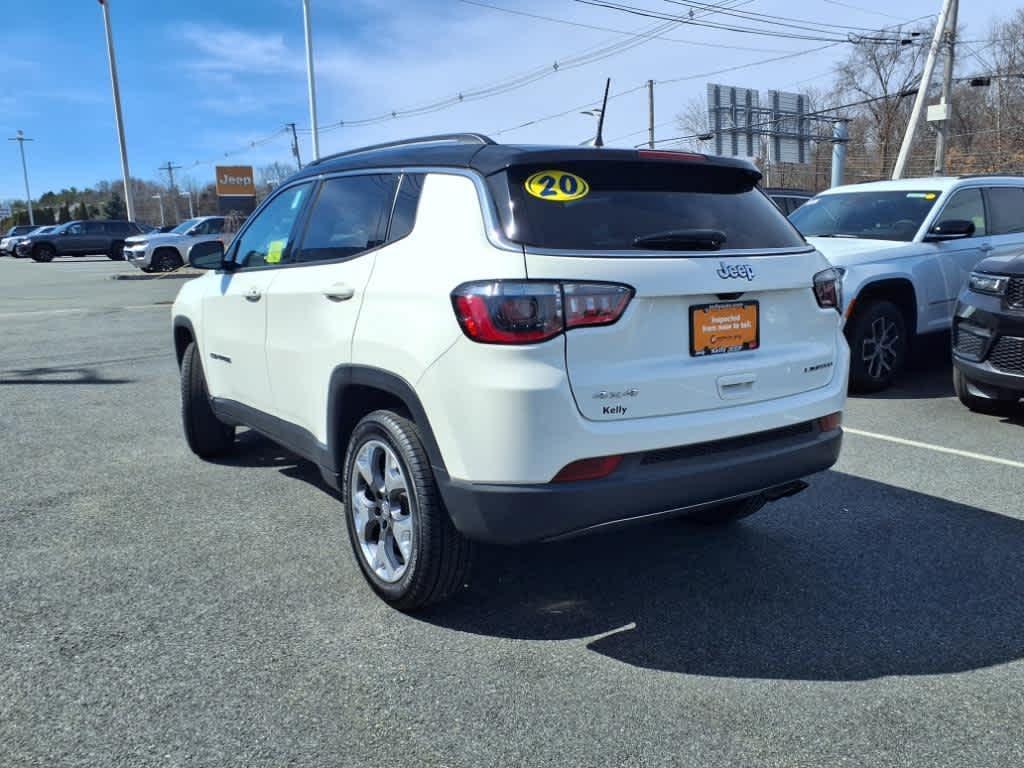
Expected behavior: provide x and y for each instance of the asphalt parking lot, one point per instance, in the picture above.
(158, 610)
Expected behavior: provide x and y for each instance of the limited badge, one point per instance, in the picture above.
(557, 186)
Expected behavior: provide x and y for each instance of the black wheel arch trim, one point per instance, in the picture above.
(347, 376)
(180, 321)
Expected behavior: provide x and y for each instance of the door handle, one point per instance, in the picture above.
(339, 292)
(253, 295)
(985, 247)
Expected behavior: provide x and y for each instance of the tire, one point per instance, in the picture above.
(988, 406)
(43, 253)
(116, 252)
(437, 557)
(205, 434)
(878, 346)
(165, 260)
(729, 512)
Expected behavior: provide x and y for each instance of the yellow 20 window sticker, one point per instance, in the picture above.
(274, 250)
(557, 186)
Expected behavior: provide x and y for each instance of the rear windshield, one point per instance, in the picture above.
(609, 206)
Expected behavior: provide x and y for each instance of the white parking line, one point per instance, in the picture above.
(936, 448)
(80, 310)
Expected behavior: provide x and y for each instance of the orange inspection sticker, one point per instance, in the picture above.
(719, 328)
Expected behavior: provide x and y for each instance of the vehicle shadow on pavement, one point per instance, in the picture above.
(58, 375)
(886, 582)
(253, 450)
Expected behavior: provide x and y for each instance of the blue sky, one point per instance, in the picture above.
(200, 79)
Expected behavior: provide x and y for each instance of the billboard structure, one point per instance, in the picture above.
(743, 125)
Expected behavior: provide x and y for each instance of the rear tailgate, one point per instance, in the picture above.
(643, 365)
(723, 313)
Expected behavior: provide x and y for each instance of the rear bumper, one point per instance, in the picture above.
(665, 482)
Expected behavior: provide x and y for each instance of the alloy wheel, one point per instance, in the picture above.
(878, 350)
(382, 509)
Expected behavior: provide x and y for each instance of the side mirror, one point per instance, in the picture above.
(208, 255)
(951, 229)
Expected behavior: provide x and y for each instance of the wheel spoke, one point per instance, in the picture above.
(362, 507)
(382, 560)
(394, 478)
(402, 529)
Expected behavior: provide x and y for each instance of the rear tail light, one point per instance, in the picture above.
(530, 311)
(588, 469)
(828, 289)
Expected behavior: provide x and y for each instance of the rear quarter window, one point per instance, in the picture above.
(629, 200)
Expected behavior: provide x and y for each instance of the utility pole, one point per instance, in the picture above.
(191, 210)
(20, 138)
(840, 136)
(295, 146)
(171, 168)
(922, 91)
(118, 117)
(312, 81)
(947, 89)
(650, 114)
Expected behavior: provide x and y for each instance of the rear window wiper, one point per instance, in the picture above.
(682, 240)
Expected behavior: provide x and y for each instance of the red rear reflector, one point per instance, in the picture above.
(664, 154)
(830, 422)
(588, 469)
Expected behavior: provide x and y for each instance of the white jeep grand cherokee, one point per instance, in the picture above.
(479, 342)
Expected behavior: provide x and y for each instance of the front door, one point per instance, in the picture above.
(313, 305)
(235, 317)
(956, 258)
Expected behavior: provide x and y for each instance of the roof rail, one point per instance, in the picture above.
(987, 175)
(440, 138)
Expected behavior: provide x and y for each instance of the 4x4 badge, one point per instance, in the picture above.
(726, 271)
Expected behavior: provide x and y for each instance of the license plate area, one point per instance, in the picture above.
(730, 326)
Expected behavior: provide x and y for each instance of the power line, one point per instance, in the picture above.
(733, 28)
(521, 80)
(859, 8)
(763, 18)
(616, 31)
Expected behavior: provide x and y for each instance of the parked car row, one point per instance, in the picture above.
(907, 250)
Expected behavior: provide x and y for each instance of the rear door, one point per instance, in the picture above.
(707, 328)
(314, 302)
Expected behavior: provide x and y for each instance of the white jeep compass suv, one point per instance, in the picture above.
(479, 342)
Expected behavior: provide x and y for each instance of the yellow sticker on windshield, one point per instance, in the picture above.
(557, 186)
(274, 250)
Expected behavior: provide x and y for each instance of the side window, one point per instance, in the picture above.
(404, 216)
(95, 228)
(350, 216)
(1006, 210)
(269, 236)
(967, 205)
(75, 229)
(213, 226)
(119, 228)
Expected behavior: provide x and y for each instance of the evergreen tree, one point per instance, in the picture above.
(81, 212)
(114, 207)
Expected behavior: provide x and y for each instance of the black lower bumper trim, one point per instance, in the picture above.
(513, 514)
(985, 374)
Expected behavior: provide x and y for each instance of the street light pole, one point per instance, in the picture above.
(312, 81)
(118, 117)
(160, 199)
(20, 138)
(191, 210)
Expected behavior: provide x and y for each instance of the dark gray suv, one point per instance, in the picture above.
(80, 238)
